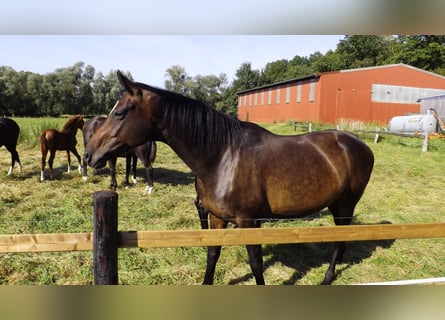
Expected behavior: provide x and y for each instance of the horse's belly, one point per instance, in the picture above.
(300, 200)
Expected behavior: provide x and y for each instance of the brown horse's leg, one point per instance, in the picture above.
(127, 171)
(213, 252)
(68, 158)
(203, 214)
(77, 155)
(52, 155)
(112, 165)
(44, 152)
(255, 254)
(342, 212)
(14, 158)
(134, 163)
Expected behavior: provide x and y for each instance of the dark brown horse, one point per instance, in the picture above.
(145, 152)
(9, 134)
(52, 140)
(244, 173)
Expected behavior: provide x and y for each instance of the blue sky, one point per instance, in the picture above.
(148, 57)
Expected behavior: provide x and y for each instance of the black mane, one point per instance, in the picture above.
(200, 124)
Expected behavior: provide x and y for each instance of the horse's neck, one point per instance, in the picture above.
(198, 159)
(70, 131)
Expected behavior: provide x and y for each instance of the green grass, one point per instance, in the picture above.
(407, 186)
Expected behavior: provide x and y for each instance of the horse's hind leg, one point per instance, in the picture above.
(255, 254)
(42, 164)
(342, 212)
(14, 158)
(77, 155)
(52, 155)
(68, 158)
(213, 252)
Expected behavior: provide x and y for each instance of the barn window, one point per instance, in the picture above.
(262, 97)
(312, 90)
(269, 101)
(278, 95)
(250, 99)
(288, 93)
(299, 91)
(256, 98)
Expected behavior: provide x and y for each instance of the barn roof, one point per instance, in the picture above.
(312, 76)
(317, 75)
(436, 97)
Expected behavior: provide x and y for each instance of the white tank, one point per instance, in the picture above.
(414, 124)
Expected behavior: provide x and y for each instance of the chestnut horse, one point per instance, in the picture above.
(145, 152)
(9, 134)
(244, 173)
(52, 140)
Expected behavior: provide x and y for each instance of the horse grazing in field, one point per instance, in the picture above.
(145, 152)
(244, 173)
(52, 140)
(9, 134)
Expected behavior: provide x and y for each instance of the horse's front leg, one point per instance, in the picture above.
(213, 252)
(134, 159)
(127, 171)
(112, 165)
(203, 214)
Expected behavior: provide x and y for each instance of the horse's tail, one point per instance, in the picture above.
(43, 142)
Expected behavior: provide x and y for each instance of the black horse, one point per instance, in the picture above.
(244, 173)
(146, 153)
(9, 134)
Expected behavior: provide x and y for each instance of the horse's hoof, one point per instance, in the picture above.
(85, 178)
(149, 189)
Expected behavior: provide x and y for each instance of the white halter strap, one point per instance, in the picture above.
(114, 107)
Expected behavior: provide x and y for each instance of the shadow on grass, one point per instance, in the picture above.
(306, 256)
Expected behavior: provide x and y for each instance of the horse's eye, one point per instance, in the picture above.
(120, 114)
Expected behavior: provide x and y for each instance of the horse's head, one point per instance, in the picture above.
(129, 124)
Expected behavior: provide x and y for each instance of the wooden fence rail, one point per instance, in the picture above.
(105, 240)
(195, 238)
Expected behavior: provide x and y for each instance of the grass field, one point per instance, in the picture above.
(407, 186)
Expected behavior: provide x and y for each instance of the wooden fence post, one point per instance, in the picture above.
(105, 238)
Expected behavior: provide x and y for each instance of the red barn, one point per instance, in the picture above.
(374, 94)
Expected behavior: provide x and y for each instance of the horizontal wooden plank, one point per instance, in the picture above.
(194, 238)
(46, 242)
(191, 238)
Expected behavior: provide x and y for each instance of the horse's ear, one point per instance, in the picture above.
(126, 83)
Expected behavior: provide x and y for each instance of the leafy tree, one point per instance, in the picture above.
(178, 80)
(275, 71)
(422, 51)
(357, 51)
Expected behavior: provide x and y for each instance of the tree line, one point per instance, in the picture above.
(79, 89)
